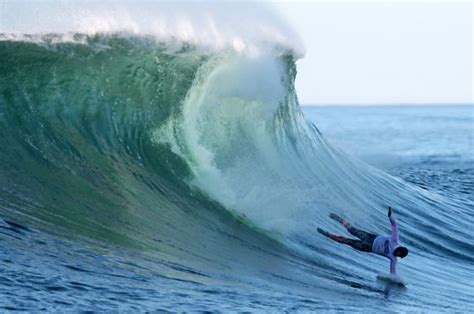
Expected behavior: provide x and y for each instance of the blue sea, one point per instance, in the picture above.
(140, 175)
(429, 146)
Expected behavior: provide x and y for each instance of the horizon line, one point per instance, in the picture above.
(389, 105)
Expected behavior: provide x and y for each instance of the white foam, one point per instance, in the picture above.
(225, 133)
(240, 26)
(392, 278)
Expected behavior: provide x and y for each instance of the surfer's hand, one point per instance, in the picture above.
(389, 211)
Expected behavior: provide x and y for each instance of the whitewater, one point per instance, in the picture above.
(152, 160)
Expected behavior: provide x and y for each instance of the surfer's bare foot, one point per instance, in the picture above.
(323, 232)
(342, 221)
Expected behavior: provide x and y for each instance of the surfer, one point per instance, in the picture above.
(385, 245)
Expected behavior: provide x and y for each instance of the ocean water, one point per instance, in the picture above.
(139, 174)
(429, 146)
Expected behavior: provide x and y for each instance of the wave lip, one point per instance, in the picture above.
(215, 26)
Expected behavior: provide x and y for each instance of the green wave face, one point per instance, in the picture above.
(92, 135)
(76, 122)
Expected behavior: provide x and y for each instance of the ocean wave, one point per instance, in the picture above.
(202, 158)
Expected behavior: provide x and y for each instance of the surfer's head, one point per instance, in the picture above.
(400, 251)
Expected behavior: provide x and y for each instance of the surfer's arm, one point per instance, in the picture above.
(393, 266)
(393, 222)
(395, 236)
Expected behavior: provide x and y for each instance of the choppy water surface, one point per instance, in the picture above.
(430, 146)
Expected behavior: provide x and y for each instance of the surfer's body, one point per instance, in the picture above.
(385, 245)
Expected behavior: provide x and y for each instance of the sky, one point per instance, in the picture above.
(380, 52)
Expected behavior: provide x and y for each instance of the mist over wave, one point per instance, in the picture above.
(208, 25)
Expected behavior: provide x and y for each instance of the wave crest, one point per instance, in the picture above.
(214, 26)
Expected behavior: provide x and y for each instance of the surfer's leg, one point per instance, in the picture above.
(364, 236)
(356, 244)
(331, 236)
(340, 220)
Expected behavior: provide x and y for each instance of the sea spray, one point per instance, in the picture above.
(208, 25)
